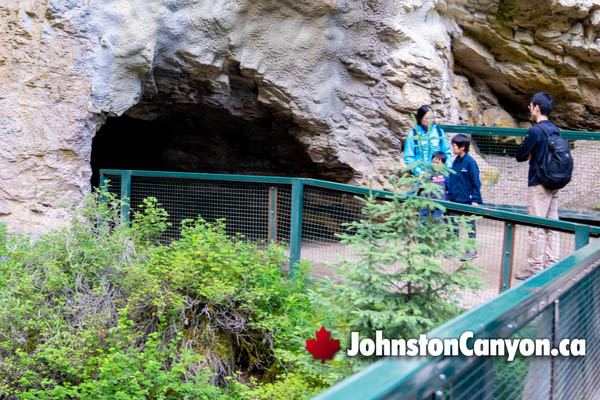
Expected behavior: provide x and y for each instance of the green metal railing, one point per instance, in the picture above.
(561, 302)
(304, 215)
(504, 180)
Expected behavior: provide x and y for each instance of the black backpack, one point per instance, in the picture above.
(556, 167)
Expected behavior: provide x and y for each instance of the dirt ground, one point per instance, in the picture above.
(490, 234)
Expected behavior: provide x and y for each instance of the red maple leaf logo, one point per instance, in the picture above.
(322, 348)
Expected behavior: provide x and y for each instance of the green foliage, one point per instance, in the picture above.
(396, 281)
(223, 292)
(123, 369)
(150, 221)
(290, 387)
(99, 310)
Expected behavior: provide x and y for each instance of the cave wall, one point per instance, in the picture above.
(343, 76)
(518, 47)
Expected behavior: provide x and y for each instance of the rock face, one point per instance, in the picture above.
(46, 122)
(518, 47)
(337, 78)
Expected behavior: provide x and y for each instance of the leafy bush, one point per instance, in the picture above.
(231, 300)
(100, 310)
(291, 386)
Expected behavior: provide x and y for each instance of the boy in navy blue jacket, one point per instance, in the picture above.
(464, 186)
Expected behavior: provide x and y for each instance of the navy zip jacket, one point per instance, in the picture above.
(464, 185)
(535, 143)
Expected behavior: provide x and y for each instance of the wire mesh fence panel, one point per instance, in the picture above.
(583, 192)
(243, 206)
(491, 245)
(577, 378)
(476, 384)
(113, 184)
(527, 377)
(543, 377)
(324, 214)
(503, 179)
(522, 246)
(283, 213)
(325, 211)
(489, 235)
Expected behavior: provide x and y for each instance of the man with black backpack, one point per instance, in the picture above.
(550, 168)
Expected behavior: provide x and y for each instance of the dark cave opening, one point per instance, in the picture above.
(189, 137)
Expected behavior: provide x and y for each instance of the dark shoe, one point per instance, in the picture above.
(522, 276)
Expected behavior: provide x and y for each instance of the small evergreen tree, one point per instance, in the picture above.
(396, 281)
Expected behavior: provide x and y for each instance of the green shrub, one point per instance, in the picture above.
(100, 310)
(231, 300)
(123, 369)
(290, 387)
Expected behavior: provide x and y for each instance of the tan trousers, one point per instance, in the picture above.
(544, 244)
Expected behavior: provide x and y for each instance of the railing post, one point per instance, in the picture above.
(273, 214)
(125, 196)
(582, 236)
(296, 223)
(102, 184)
(555, 341)
(508, 251)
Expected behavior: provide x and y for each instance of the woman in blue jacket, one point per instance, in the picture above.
(424, 140)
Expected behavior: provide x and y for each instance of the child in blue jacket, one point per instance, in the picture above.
(464, 186)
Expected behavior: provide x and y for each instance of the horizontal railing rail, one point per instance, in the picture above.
(203, 176)
(583, 229)
(568, 215)
(499, 131)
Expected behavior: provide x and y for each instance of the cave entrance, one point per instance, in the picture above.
(197, 138)
(185, 125)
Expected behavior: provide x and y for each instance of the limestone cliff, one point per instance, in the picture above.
(517, 47)
(342, 77)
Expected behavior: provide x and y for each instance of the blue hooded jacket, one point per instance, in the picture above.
(421, 149)
(464, 185)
